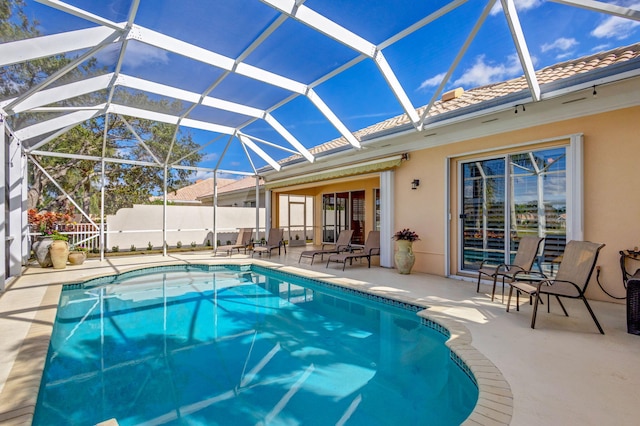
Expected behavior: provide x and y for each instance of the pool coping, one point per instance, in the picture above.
(19, 395)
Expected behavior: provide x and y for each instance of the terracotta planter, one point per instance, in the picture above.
(77, 257)
(41, 250)
(404, 257)
(59, 251)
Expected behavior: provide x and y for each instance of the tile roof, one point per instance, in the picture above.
(247, 182)
(198, 189)
(475, 96)
(244, 183)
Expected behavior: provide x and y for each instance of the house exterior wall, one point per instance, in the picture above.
(611, 198)
(366, 184)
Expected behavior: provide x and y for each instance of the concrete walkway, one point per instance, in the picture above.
(562, 373)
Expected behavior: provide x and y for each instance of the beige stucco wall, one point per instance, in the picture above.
(366, 184)
(611, 192)
(194, 222)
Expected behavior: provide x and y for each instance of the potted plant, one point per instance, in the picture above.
(44, 225)
(404, 258)
(59, 250)
(77, 255)
(296, 241)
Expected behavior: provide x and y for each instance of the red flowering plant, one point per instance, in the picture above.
(47, 223)
(406, 234)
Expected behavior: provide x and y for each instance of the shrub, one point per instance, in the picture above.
(149, 246)
(179, 244)
(133, 247)
(208, 243)
(57, 236)
(115, 249)
(193, 244)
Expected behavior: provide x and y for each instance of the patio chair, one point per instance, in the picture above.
(525, 256)
(242, 242)
(342, 244)
(575, 270)
(371, 248)
(274, 241)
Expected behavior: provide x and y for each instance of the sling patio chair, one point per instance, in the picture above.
(342, 244)
(525, 256)
(274, 241)
(243, 241)
(575, 270)
(371, 248)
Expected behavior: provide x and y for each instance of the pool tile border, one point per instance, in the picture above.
(495, 399)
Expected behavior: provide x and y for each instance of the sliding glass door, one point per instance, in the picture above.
(505, 198)
(340, 211)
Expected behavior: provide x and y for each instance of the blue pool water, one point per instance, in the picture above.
(207, 345)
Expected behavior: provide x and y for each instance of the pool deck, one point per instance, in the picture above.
(563, 372)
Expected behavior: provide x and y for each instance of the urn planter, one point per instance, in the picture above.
(59, 251)
(77, 257)
(404, 257)
(41, 251)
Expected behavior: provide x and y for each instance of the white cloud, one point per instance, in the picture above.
(201, 175)
(563, 56)
(139, 54)
(521, 5)
(616, 27)
(560, 44)
(209, 157)
(432, 82)
(482, 72)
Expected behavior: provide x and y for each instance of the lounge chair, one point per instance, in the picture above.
(242, 242)
(342, 244)
(525, 256)
(274, 241)
(575, 270)
(371, 248)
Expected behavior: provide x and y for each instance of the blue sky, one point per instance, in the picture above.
(359, 96)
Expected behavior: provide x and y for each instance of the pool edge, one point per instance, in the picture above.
(495, 399)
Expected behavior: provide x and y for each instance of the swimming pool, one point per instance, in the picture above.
(242, 345)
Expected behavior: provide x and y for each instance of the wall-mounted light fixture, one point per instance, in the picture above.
(595, 93)
(415, 184)
(519, 105)
(405, 156)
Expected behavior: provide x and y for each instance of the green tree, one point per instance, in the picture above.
(124, 184)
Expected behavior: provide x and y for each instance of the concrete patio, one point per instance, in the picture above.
(563, 372)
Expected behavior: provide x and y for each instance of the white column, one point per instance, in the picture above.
(386, 218)
(267, 211)
(575, 189)
(17, 215)
(214, 243)
(3, 230)
(257, 237)
(164, 211)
